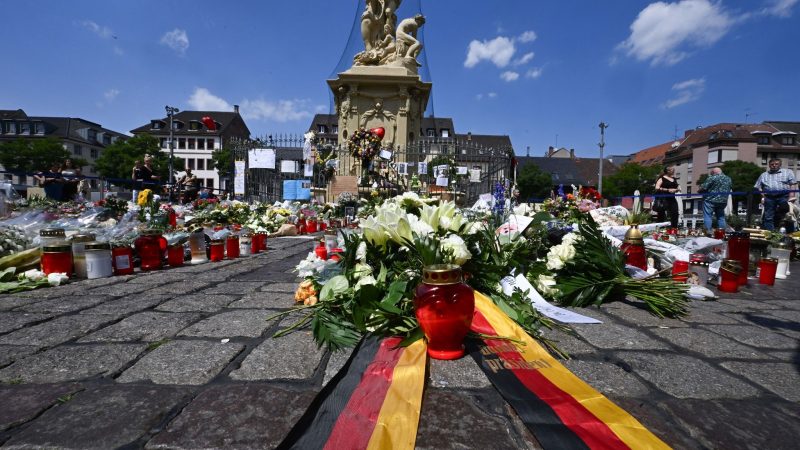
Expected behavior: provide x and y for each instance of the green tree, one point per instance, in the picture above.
(223, 162)
(33, 155)
(533, 182)
(743, 176)
(629, 178)
(117, 159)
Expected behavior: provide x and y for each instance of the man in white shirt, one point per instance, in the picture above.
(774, 184)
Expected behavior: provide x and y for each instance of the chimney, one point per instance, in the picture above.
(528, 153)
(550, 150)
(236, 109)
(572, 153)
(469, 135)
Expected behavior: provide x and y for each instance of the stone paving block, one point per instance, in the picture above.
(787, 314)
(294, 356)
(158, 277)
(639, 316)
(235, 287)
(685, 377)
(780, 378)
(196, 302)
(72, 362)
(657, 421)
(247, 323)
(700, 316)
(10, 321)
(11, 353)
(708, 343)
(737, 424)
(268, 300)
(56, 331)
(336, 361)
(607, 378)
(450, 420)
(774, 321)
(120, 307)
(9, 302)
(463, 373)
(147, 326)
(790, 304)
(182, 287)
(219, 418)
(614, 336)
(281, 287)
(122, 289)
(29, 401)
(572, 345)
(183, 362)
(102, 418)
(757, 337)
(60, 305)
(53, 291)
(268, 275)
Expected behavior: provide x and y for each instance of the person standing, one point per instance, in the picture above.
(667, 184)
(774, 185)
(190, 186)
(716, 188)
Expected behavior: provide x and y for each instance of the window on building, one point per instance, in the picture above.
(91, 135)
(23, 179)
(689, 165)
(763, 139)
(194, 125)
(322, 129)
(25, 128)
(201, 144)
(201, 164)
(210, 144)
(445, 133)
(182, 143)
(156, 124)
(190, 143)
(106, 139)
(722, 155)
(11, 127)
(210, 183)
(335, 129)
(8, 176)
(94, 153)
(787, 140)
(38, 128)
(77, 150)
(163, 143)
(209, 164)
(190, 163)
(430, 132)
(728, 134)
(177, 125)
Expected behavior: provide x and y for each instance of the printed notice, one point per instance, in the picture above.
(509, 283)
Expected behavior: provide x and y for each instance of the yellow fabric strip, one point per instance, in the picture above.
(398, 420)
(625, 426)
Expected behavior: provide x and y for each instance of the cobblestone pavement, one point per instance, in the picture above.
(184, 359)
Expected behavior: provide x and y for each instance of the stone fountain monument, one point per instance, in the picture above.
(383, 87)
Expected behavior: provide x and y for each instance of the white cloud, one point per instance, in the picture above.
(685, 92)
(101, 31)
(499, 51)
(177, 40)
(536, 72)
(509, 76)
(492, 94)
(779, 8)
(664, 33)
(525, 59)
(528, 36)
(280, 111)
(203, 100)
(111, 94)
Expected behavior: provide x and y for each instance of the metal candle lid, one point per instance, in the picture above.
(51, 232)
(441, 274)
(83, 237)
(98, 246)
(151, 232)
(634, 235)
(57, 248)
(731, 265)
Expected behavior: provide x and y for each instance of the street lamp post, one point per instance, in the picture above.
(171, 110)
(602, 144)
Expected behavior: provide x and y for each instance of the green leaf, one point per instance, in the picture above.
(8, 274)
(542, 216)
(336, 285)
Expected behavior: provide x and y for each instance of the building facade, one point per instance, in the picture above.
(80, 137)
(195, 141)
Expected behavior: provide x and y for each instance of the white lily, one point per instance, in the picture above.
(57, 278)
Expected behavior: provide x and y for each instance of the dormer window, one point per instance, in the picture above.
(38, 128)
(763, 139)
(787, 140)
(218, 125)
(106, 139)
(335, 129)
(24, 128)
(157, 124)
(430, 132)
(177, 125)
(322, 128)
(445, 133)
(195, 125)
(713, 136)
(91, 135)
(728, 134)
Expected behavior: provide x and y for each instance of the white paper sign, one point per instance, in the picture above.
(402, 168)
(461, 170)
(385, 154)
(554, 312)
(423, 168)
(440, 171)
(475, 175)
(442, 181)
(288, 166)
(261, 158)
(238, 177)
(308, 170)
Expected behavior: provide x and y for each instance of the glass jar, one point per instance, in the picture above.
(443, 305)
(57, 259)
(197, 245)
(255, 244)
(729, 275)
(262, 242)
(175, 255)
(79, 242)
(232, 246)
(783, 253)
(217, 250)
(148, 246)
(122, 259)
(331, 240)
(633, 248)
(245, 243)
(698, 273)
(311, 226)
(321, 251)
(767, 268)
(680, 271)
(98, 260)
(52, 236)
(739, 249)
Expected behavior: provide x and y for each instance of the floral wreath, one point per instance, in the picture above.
(364, 144)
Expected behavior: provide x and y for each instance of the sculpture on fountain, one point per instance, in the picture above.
(385, 45)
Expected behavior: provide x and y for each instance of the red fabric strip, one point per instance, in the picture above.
(594, 432)
(356, 423)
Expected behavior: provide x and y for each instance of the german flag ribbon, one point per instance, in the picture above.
(373, 402)
(562, 411)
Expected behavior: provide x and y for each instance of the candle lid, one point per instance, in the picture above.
(217, 242)
(731, 265)
(441, 274)
(634, 235)
(51, 232)
(772, 260)
(98, 246)
(83, 237)
(56, 248)
(151, 232)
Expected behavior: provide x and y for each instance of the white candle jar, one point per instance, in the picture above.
(98, 260)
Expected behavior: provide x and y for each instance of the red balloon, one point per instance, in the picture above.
(209, 122)
(380, 132)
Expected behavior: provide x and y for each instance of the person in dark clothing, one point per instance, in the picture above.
(51, 182)
(667, 184)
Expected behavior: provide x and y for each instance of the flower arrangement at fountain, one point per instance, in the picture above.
(364, 144)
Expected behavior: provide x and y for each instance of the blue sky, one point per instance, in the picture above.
(544, 72)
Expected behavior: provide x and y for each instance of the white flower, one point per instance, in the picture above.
(560, 255)
(545, 284)
(419, 227)
(366, 280)
(454, 244)
(56, 278)
(361, 252)
(34, 275)
(361, 271)
(554, 262)
(570, 238)
(373, 232)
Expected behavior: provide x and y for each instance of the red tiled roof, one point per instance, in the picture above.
(652, 155)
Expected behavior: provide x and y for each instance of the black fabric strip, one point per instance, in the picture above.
(314, 428)
(535, 413)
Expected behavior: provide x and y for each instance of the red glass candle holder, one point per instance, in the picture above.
(311, 226)
(175, 255)
(729, 275)
(232, 247)
(635, 255)
(767, 269)
(149, 248)
(217, 250)
(336, 254)
(262, 242)
(680, 271)
(255, 244)
(444, 305)
(719, 233)
(122, 260)
(57, 259)
(739, 249)
(323, 226)
(321, 251)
